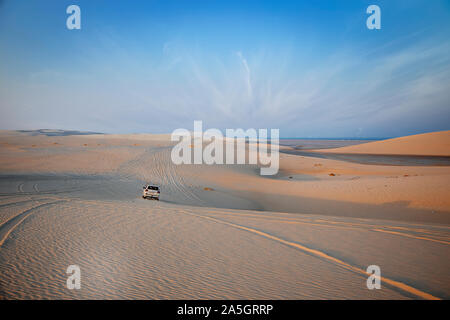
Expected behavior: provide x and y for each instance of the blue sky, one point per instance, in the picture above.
(309, 68)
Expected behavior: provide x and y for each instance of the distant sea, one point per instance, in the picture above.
(304, 147)
(323, 143)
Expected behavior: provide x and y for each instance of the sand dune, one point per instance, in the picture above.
(218, 231)
(426, 144)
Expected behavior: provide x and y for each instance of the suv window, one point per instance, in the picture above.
(153, 188)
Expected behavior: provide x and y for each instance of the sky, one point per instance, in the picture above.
(308, 68)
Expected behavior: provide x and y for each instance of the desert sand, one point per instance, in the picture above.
(221, 231)
(425, 144)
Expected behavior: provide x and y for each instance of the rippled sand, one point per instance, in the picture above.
(218, 232)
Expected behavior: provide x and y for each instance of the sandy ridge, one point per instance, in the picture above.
(426, 144)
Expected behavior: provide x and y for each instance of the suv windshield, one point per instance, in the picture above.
(152, 188)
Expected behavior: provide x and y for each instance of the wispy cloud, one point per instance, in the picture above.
(346, 93)
(247, 74)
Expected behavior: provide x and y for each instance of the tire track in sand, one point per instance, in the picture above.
(322, 255)
(10, 225)
(348, 226)
(163, 172)
(17, 203)
(412, 236)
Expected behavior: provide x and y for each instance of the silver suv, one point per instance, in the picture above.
(151, 192)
